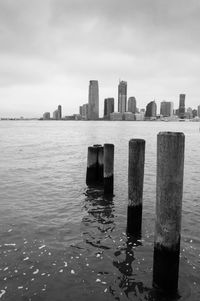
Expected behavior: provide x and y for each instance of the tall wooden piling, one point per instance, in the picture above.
(108, 161)
(169, 190)
(135, 186)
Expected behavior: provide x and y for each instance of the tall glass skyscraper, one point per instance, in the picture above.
(108, 107)
(93, 100)
(122, 96)
(182, 106)
(59, 112)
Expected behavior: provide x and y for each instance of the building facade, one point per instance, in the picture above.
(108, 107)
(132, 107)
(128, 116)
(198, 111)
(46, 116)
(166, 108)
(151, 110)
(122, 96)
(59, 112)
(116, 116)
(84, 114)
(93, 100)
(55, 115)
(182, 106)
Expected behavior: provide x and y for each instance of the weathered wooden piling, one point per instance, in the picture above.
(135, 186)
(108, 161)
(100, 164)
(92, 165)
(94, 175)
(169, 190)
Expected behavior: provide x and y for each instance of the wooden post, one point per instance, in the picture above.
(100, 164)
(169, 190)
(135, 186)
(108, 168)
(92, 164)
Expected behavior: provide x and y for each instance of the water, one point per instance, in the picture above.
(61, 241)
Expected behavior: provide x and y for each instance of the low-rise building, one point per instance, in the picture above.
(116, 116)
(128, 116)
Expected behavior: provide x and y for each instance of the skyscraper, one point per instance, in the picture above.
(93, 100)
(151, 109)
(182, 106)
(122, 96)
(55, 115)
(59, 112)
(108, 107)
(166, 108)
(132, 105)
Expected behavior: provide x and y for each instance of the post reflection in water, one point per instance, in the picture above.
(99, 223)
(112, 253)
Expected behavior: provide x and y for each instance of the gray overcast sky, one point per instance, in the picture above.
(50, 49)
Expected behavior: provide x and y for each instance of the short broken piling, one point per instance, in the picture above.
(94, 175)
(169, 190)
(108, 161)
(135, 186)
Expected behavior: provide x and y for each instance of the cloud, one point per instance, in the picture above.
(152, 44)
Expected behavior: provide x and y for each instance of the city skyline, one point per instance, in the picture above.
(50, 49)
(127, 111)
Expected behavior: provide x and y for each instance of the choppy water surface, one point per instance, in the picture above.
(62, 241)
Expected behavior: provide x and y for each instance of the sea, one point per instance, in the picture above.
(61, 240)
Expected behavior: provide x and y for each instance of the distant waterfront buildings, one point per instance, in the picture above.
(55, 115)
(166, 108)
(93, 100)
(108, 107)
(59, 112)
(116, 116)
(181, 112)
(128, 116)
(132, 105)
(122, 96)
(127, 110)
(84, 114)
(194, 113)
(46, 116)
(189, 114)
(151, 110)
(198, 111)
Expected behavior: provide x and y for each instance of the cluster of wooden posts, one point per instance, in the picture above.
(169, 190)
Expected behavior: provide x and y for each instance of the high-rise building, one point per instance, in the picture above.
(182, 106)
(84, 114)
(194, 113)
(132, 105)
(55, 115)
(198, 111)
(166, 108)
(80, 110)
(59, 112)
(151, 109)
(122, 96)
(108, 107)
(93, 100)
(46, 116)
